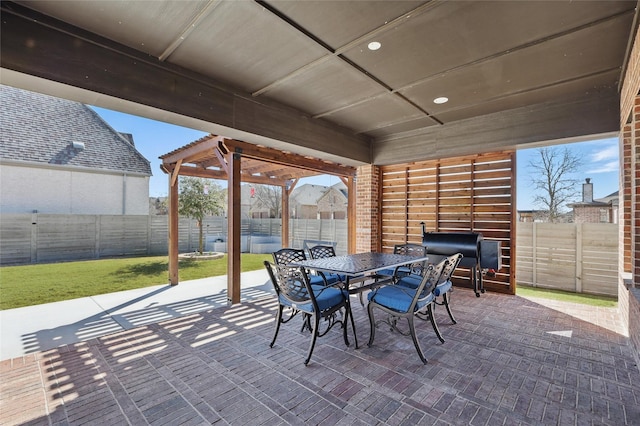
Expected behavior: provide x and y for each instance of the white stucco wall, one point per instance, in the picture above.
(60, 190)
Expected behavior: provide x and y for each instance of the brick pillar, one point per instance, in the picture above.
(624, 205)
(635, 192)
(368, 209)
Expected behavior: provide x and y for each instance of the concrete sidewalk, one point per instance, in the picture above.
(43, 327)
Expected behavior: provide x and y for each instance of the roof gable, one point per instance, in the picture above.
(43, 129)
(307, 194)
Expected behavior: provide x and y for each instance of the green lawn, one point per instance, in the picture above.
(28, 285)
(585, 299)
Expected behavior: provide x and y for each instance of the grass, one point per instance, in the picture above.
(29, 285)
(43, 283)
(564, 296)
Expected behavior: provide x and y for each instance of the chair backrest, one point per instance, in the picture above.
(290, 282)
(429, 282)
(451, 263)
(411, 249)
(321, 252)
(288, 255)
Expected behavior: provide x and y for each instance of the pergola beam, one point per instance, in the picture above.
(222, 175)
(286, 158)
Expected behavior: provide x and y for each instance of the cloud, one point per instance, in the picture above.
(611, 166)
(606, 153)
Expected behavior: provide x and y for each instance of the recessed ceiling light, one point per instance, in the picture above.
(440, 100)
(374, 45)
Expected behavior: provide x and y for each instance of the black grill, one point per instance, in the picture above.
(467, 243)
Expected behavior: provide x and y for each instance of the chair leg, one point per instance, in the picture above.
(372, 324)
(305, 322)
(361, 298)
(345, 319)
(412, 330)
(316, 321)
(445, 302)
(353, 325)
(278, 321)
(432, 318)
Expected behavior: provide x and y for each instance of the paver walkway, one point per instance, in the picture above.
(509, 360)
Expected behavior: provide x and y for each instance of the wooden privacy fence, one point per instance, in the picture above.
(471, 193)
(40, 238)
(581, 258)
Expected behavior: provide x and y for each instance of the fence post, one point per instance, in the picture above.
(578, 258)
(534, 254)
(149, 217)
(96, 254)
(34, 238)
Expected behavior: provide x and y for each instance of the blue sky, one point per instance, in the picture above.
(154, 138)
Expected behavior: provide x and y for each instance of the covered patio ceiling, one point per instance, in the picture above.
(299, 76)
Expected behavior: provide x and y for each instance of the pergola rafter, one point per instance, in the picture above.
(216, 157)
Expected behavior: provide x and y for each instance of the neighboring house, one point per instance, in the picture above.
(59, 156)
(532, 215)
(310, 201)
(333, 203)
(542, 216)
(590, 210)
(252, 206)
(158, 206)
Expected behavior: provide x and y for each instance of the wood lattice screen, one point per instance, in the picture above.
(473, 193)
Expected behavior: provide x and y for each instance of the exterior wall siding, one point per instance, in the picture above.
(25, 189)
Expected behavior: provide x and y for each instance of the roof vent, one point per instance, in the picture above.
(77, 145)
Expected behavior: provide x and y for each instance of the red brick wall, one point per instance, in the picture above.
(591, 214)
(625, 198)
(635, 193)
(631, 85)
(367, 209)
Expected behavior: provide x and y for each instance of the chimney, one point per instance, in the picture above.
(587, 191)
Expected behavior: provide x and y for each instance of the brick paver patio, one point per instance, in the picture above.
(508, 360)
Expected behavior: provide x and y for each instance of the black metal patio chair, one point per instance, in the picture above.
(444, 287)
(295, 292)
(399, 301)
(286, 256)
(408, 249)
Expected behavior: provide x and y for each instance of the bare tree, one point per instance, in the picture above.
(552, 178)
(269, 197)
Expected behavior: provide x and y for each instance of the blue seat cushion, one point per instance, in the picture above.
(413, 281)
(317, 281)
(326, 297)
(333, 278)
(400, 271)
(398, 298)
(410, 281)
(442, 288)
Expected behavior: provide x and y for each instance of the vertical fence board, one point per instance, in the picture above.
(471, 193)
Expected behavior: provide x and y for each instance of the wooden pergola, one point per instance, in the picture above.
(216, 157)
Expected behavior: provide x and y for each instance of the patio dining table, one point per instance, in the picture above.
(360, 268)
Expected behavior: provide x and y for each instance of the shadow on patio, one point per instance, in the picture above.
(509, 360)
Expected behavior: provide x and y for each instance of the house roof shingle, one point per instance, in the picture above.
(41, 128)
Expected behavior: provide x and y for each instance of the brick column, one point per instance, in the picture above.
(368, 209)
(635, 192)
(624, 219)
